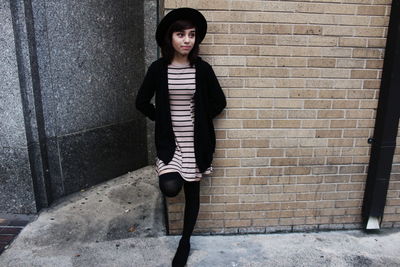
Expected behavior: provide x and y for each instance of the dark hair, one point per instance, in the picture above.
(168, 51)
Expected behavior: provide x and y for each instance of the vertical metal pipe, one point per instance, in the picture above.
(386, 123)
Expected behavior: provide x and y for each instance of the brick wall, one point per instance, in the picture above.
(301, 80)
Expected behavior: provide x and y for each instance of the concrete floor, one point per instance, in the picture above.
(10, 226)
(120, 223)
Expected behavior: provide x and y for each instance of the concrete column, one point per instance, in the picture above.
(68, 119)
(151, 19)
(16, 184)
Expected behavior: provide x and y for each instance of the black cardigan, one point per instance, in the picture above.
(209, 102)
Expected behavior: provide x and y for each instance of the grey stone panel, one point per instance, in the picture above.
(49, 101)
(30, 96)
(12, 130)
(55, 169)
(96, 53)
(151, 54)
(15, 182)
(100, 154)
(16, 186)
(43, 64)
(72, 73)
(38, 177)
(91, 63)
(150, 26)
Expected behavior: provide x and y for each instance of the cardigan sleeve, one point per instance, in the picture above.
(216, 96)
(146, 93)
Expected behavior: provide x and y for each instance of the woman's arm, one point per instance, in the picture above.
(146, 93)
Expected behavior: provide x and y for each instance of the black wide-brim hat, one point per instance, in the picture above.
(183, 13)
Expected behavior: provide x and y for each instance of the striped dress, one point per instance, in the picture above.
(182, 86)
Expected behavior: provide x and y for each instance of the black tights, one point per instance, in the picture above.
(170, 185)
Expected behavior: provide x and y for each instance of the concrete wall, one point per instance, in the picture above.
(81, 63)
(95, 50)
(302, 81)
(151, 18)
(16, 187)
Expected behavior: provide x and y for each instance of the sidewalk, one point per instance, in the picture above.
(120, 223)
(10, 226)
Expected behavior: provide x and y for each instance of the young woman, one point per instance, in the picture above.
(187, 98)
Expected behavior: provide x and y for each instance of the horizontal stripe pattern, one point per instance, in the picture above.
(182, 86)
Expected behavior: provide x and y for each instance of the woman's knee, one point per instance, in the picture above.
(170, 183)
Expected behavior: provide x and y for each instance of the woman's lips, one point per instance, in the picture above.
(186, 47)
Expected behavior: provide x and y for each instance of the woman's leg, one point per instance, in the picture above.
(192, 205)
(170, 183)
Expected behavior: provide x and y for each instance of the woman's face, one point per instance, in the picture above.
(183, 41)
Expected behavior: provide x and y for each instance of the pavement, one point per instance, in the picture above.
(121, 223)
(10, 226)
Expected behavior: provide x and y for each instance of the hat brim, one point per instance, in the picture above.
(184, 13)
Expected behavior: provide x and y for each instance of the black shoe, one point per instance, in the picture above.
(182, 254)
